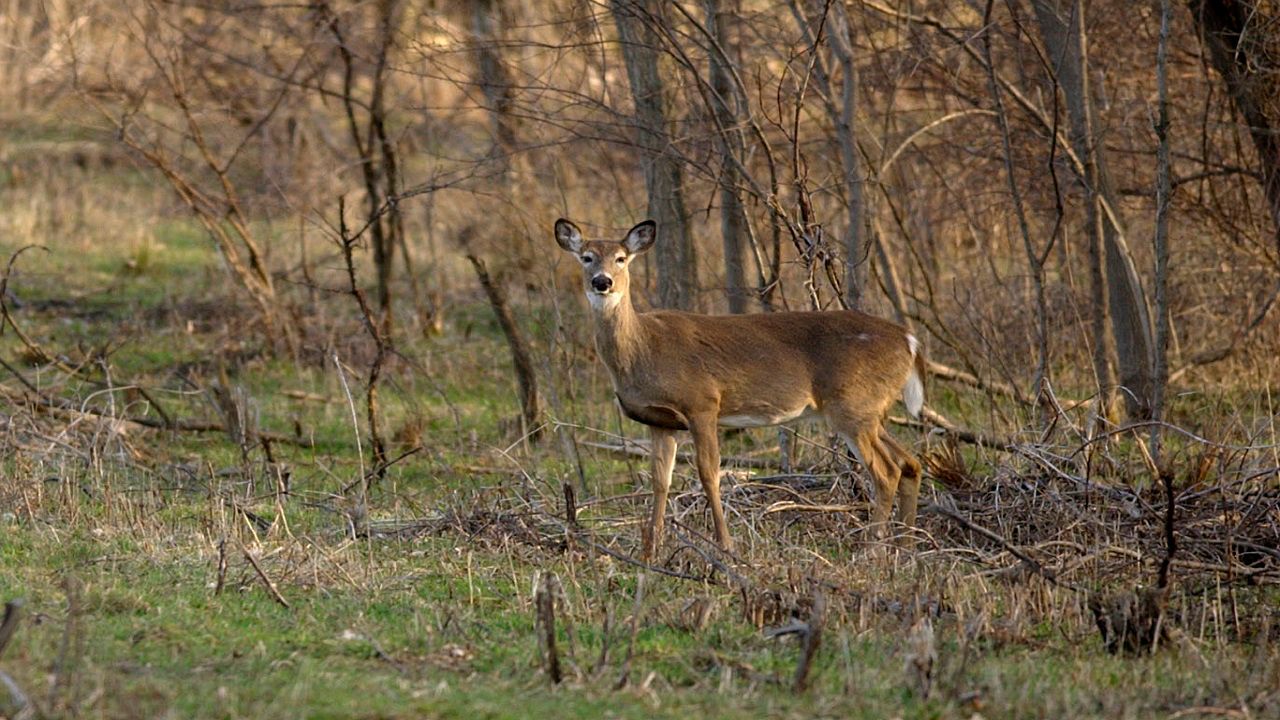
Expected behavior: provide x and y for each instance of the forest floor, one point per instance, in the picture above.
(216, 572)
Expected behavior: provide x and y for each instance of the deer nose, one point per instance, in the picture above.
(601, 283)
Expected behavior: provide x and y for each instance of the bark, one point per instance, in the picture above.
(726, 105)
(1161, 240)
(676, 259)
(487, 24)
(845, 121)
(1062, 30)
(1247, 56)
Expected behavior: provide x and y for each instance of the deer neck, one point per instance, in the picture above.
(618, 335)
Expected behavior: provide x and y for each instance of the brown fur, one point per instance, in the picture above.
(684, 371)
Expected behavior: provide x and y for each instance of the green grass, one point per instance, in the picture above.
(437, 629)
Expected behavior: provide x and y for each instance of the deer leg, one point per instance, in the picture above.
(884, 477)
(664, 460)
(909, 485)
(706, 443)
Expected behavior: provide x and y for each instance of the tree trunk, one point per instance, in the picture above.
(1062, 30)
(846, 125)
(1161, 240)
(487, 23)
(1248, 58)
(726, 104)
(677, 266)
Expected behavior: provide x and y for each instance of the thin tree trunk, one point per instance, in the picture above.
(726, 105)
(487, 23)
(1062, 30)
(846, 125)
(676, 257)
(1035, 258)
(1163, 191)
(531, 413)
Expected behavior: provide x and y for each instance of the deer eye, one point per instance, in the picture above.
(586, 259)
(622, 260)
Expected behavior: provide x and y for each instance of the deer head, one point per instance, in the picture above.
(605, 263)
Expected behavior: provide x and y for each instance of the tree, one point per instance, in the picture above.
(1062, 31)
(726, 105)
(487, 22)
(1247, 56)
(676, 257)
(833, 25)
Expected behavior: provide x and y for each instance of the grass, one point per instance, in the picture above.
(114, 537)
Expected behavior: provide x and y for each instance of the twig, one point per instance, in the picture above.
(378, 331)
(58, 405)
(381, 469)
(18, 700)
(222, 567)
(271, 586)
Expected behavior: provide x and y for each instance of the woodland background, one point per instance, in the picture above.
(302, 415)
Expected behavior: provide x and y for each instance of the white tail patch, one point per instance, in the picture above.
(913, 392)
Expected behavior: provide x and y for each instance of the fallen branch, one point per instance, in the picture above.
(66, 408)
(929, 416)
(946, 372)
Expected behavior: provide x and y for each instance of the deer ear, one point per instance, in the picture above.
(568, 236)
(641, 237)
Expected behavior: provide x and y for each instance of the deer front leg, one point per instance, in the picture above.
(706, 443)
(663, 461)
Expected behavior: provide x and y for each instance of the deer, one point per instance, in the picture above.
(679, 371)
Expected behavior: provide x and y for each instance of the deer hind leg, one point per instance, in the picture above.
(664, 460)
(884, 473)
(909, 485)
(706, 444)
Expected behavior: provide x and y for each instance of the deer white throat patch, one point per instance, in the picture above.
(605, 302)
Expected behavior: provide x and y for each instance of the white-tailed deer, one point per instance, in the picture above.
(684, 371)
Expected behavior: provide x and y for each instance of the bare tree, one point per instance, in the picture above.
(726, 104)
(1035, 257)
(846, 124)
(1062, 29)
(676, 255)
(1161, 241)
(186, 149)
(487, 21)
(1241, 38)
(366, 119)
(832, 23)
